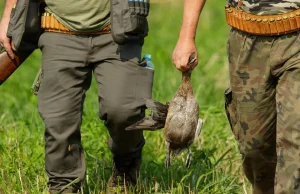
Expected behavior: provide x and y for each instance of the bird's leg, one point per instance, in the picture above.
(188, 158)
(198, 129)
(168, 160)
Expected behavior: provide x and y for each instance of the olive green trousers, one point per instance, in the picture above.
(68, 63)
(263, 104)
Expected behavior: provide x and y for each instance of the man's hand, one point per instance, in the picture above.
(186, 42)
(184, 48)
(5, 42)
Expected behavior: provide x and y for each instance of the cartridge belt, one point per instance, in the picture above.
(50, 24)
(269, 25)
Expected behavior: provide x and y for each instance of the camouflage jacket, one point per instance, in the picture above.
(267, 7)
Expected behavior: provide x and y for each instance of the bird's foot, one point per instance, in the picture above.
(188, 158)
(168, 159)
(167, 162)
(198, 129)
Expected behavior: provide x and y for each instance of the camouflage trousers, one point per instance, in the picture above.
(262, 105)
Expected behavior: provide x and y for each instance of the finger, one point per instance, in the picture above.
(174, 58)
(192, 58)
(183, 68)
(182, 64)
(179, 66)
(194, 64)
(9, 50)
(13, 47)
(11, 54)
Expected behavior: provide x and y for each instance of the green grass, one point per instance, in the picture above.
(216, 164)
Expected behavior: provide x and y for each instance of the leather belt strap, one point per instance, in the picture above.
(269, 25)
(51, 24)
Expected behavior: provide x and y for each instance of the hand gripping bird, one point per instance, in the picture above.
(179, 118)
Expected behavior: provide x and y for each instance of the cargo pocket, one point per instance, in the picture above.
(136, 25)
(144, 83)
(230, 107)
(128, 24)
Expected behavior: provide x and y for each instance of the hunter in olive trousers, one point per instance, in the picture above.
(263, 104)
(68, 62)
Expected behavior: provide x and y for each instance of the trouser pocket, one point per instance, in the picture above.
(231, 112)
(145, 82)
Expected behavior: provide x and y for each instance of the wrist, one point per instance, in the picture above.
(186, 38)
(4, 20)
(187, 35)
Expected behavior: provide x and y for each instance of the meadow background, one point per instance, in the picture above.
(216, 164)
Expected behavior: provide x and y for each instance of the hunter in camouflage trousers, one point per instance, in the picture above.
(262, 104)
(263, 101)
(264, 94)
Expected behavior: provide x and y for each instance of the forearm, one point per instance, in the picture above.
(5, 42)
(191, 13)
(9, 4)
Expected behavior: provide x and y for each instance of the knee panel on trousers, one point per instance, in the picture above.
(116, 120)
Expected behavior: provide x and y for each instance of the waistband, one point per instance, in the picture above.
(269, 25)
(50, 24)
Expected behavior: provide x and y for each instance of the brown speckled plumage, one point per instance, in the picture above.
(179, 118)
(182, 119)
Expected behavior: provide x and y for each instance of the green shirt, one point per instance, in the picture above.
(81, 15)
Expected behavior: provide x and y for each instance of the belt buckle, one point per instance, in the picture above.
(106, 29)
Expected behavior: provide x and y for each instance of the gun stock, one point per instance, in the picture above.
(8, 66)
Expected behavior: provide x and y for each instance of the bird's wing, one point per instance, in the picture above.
(146, 124)
(159, 110)
(155, 121)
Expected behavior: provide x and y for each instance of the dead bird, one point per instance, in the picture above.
(179, 118)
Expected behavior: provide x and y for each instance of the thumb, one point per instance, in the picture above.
(8, 47)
